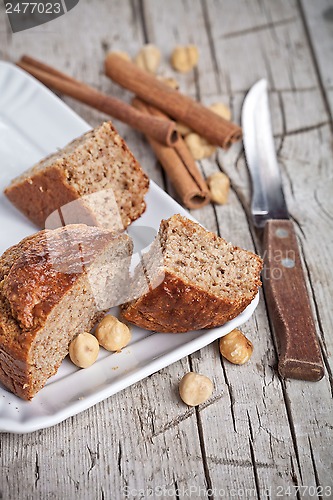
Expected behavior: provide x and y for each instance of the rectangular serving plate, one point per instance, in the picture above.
(34, 123)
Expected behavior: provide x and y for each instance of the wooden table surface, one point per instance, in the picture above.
(259, 436)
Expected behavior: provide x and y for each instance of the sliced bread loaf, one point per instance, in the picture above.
(196, 279)
(54, 285)
(97, 162)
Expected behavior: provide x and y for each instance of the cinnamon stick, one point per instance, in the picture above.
(179, 165)
(205, 122)
(48, 69)
(162, 130)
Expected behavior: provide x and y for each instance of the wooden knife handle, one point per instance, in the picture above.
(289, 305)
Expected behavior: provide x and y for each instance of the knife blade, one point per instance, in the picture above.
(285, 289)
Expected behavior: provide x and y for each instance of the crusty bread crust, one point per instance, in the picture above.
(178, 304)
(63, 177)
(177, 307)
(35, 277)
(14, 363)
(40, 196)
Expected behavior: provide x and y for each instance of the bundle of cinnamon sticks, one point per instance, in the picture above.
(149, 113)
(163, 131)
(179, 165)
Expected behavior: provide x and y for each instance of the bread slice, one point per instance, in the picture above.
(97, 162)
(196, 279)
(53, 286)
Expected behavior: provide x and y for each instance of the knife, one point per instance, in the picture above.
(287, 299)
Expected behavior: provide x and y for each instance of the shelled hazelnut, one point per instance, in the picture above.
(195, 389)
(184, 58)
(219, 186)
(221, 109)
(183, 129)
(112, 334)
(83, 350)
(235, 347)
(198, 146)
(148, 58)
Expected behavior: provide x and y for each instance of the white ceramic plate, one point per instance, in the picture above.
(34, 123)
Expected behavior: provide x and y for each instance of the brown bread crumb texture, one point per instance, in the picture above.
(49, 293)
(95, 162)
(197, 280)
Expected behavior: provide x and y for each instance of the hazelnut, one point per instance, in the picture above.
(83, 350)
(198, 146)
(221, 109)
(219, 186)
(170, 82)
(183, 129)
(195, 389)
(236, 348)
(112, 334)
(184, 58)
(148, 58)
(122, 54)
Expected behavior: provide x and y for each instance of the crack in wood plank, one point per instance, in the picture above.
(287, 175)
(102, 493)
(210, 494)
(231, 395)
(76, 483)
(256, 29)
(302, 130)
(298, 224)
(268, 69)
(293, 472)
(209, 485)
(318, 485)
(211, 44)
(37, 469)
(315, 63)
(94, 457)
(247, 464)
(284, 124)
(175, 483)
(320, 205)
(174, 423)
(143, 22)
(119, 458)
(253, 459)
(210, 402)
(291, 425)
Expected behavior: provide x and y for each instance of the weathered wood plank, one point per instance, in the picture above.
(135, 438)
(256, 432)
(290, 72)
(296, 109)
(319, 22)
(303, 169)
(260, 39)
(258, 454)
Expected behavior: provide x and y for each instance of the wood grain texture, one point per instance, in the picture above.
(318, 20)
(257, 432)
